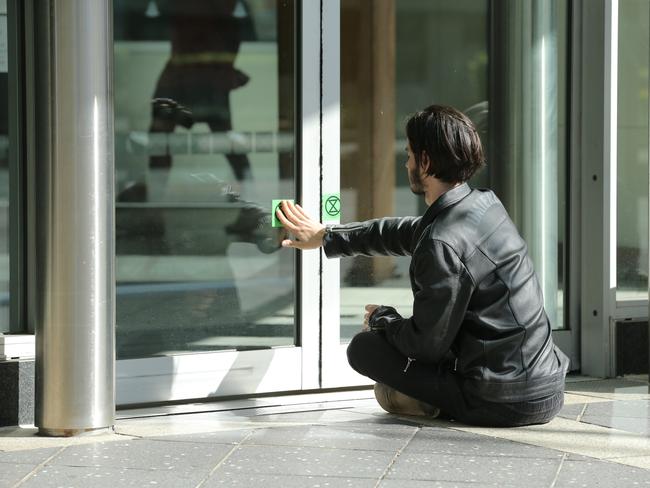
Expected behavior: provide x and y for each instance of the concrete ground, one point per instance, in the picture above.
(343, 439)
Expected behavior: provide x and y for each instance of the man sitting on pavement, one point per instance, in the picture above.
(478, 346)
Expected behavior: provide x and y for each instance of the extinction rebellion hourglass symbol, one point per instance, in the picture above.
(333, 206)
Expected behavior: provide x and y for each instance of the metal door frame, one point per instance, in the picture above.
(335, 369)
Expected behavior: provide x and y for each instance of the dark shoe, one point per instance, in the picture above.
(396, 402)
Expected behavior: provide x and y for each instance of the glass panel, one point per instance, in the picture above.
(632, 181)
(4, 170)
(401, 56)
(527, 166)
(205, 128)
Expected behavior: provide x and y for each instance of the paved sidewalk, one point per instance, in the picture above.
(601, 438)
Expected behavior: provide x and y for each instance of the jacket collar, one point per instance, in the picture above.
(447, 199)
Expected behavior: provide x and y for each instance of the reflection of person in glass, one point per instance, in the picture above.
(199, 76)
(478, 346)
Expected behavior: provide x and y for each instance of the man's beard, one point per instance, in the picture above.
(415, 182)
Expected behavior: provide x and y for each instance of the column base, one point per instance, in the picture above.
(42, 431)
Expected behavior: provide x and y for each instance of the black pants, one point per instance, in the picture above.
(437, 384)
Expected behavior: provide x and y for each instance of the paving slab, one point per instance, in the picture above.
(615, 388)
(638, 409)
(453, 442)
(10, 474)
(306, 461)
(322, 417)
(219, 437)
(29, 456)
(571, 398)
(285, 481)
(589, 473)
(573, 437)
(181, 425)
(26, 437)
(237, 419)
(637, 461)
(369, 437)
(388, 483)
(108, 477)
(486, 470)
(142, 453)
(639, 426)
(572, 411)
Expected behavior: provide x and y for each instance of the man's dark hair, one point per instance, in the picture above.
(449, 139)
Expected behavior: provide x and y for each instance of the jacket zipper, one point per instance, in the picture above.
(408, 363)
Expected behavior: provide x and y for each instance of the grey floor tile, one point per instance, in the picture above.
(144, 453)
(372, 408)
(571, 411)
(306, 461)
(610, 387)
(285, 481)
(434, 484)
(387, 419)
(220, 437)
(488, 471)
(600, 473)
(103, 477)
(11, 474)
(643, 378)
(183, 424)
(28, 456)
(315, 416)
(447, 441)
(628, 424)
(620, 408)
(370, 437)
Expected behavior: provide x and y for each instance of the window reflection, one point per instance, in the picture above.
(401, 56)
(200, 73)
(204, 141)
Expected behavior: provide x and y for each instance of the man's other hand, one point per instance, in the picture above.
(308, 233)
(370, 308)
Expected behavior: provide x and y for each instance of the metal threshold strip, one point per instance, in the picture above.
(260, 405)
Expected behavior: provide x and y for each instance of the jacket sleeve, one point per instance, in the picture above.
(384, 237)
(442, 291)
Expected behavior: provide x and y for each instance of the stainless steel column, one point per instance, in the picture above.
(523, 123)
(72, 217)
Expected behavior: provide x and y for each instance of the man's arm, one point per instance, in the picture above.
(391, 236)
(444, 289)
(385, 237)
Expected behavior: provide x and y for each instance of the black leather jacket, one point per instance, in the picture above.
(475, 293)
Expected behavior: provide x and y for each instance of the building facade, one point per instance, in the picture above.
(143, 144)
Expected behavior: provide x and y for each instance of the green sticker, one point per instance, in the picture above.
(332, 207)
(275, 222)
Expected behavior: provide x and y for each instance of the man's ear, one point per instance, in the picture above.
(425, 162)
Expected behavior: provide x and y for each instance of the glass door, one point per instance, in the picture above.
(207, 131)
(400, 56)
